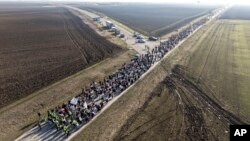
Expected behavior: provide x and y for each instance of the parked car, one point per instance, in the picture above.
(139, 37)
(136, 34)
(141, 41)
(152, 38)
(121, 35)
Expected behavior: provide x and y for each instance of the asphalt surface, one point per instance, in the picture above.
(48, 132)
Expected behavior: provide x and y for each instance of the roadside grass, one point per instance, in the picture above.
(217, 60)
(107, 126)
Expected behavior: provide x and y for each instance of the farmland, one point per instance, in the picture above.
(206, 91)
(153, 19)
(40, 45)
(49, 56)
(237, 12)
(14, 120)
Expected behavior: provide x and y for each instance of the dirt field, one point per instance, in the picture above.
(98, 27)
(237, 13)
(206, 91)
(21, 115)
(160, 19)
(40, 45)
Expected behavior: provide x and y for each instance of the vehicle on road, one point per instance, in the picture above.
(121, 35)
(152, 38)
(139, 37)
(140, 41)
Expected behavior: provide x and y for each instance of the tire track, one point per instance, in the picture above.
(196, 128)
(228, 117)
(218, 29)
(191, 95)
(70, 36)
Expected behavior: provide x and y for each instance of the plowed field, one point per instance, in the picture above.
(39, 46)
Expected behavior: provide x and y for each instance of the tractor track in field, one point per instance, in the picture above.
(205, 99)
(193, 120)
(218, 28)
(224, 115)
(192, 103)
(71, 37)
(195, 102)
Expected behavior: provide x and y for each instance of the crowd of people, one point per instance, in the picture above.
(92, 99)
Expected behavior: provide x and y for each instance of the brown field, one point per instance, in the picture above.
(40, 45)
(237, 13)
(195, 94)
(151, 19)
(21, 115)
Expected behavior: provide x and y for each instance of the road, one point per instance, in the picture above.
(128, 32)
(48, 132)
(129, 39)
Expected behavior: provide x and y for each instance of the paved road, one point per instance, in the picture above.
(129, 39)
(48, 133)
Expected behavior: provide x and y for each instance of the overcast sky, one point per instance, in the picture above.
(156, 1)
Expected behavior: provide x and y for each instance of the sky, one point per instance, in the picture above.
(186, 1)
(244, 2)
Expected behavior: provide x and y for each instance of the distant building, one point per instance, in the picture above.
(109, 24)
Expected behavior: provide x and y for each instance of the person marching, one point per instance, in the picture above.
(39, 120)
